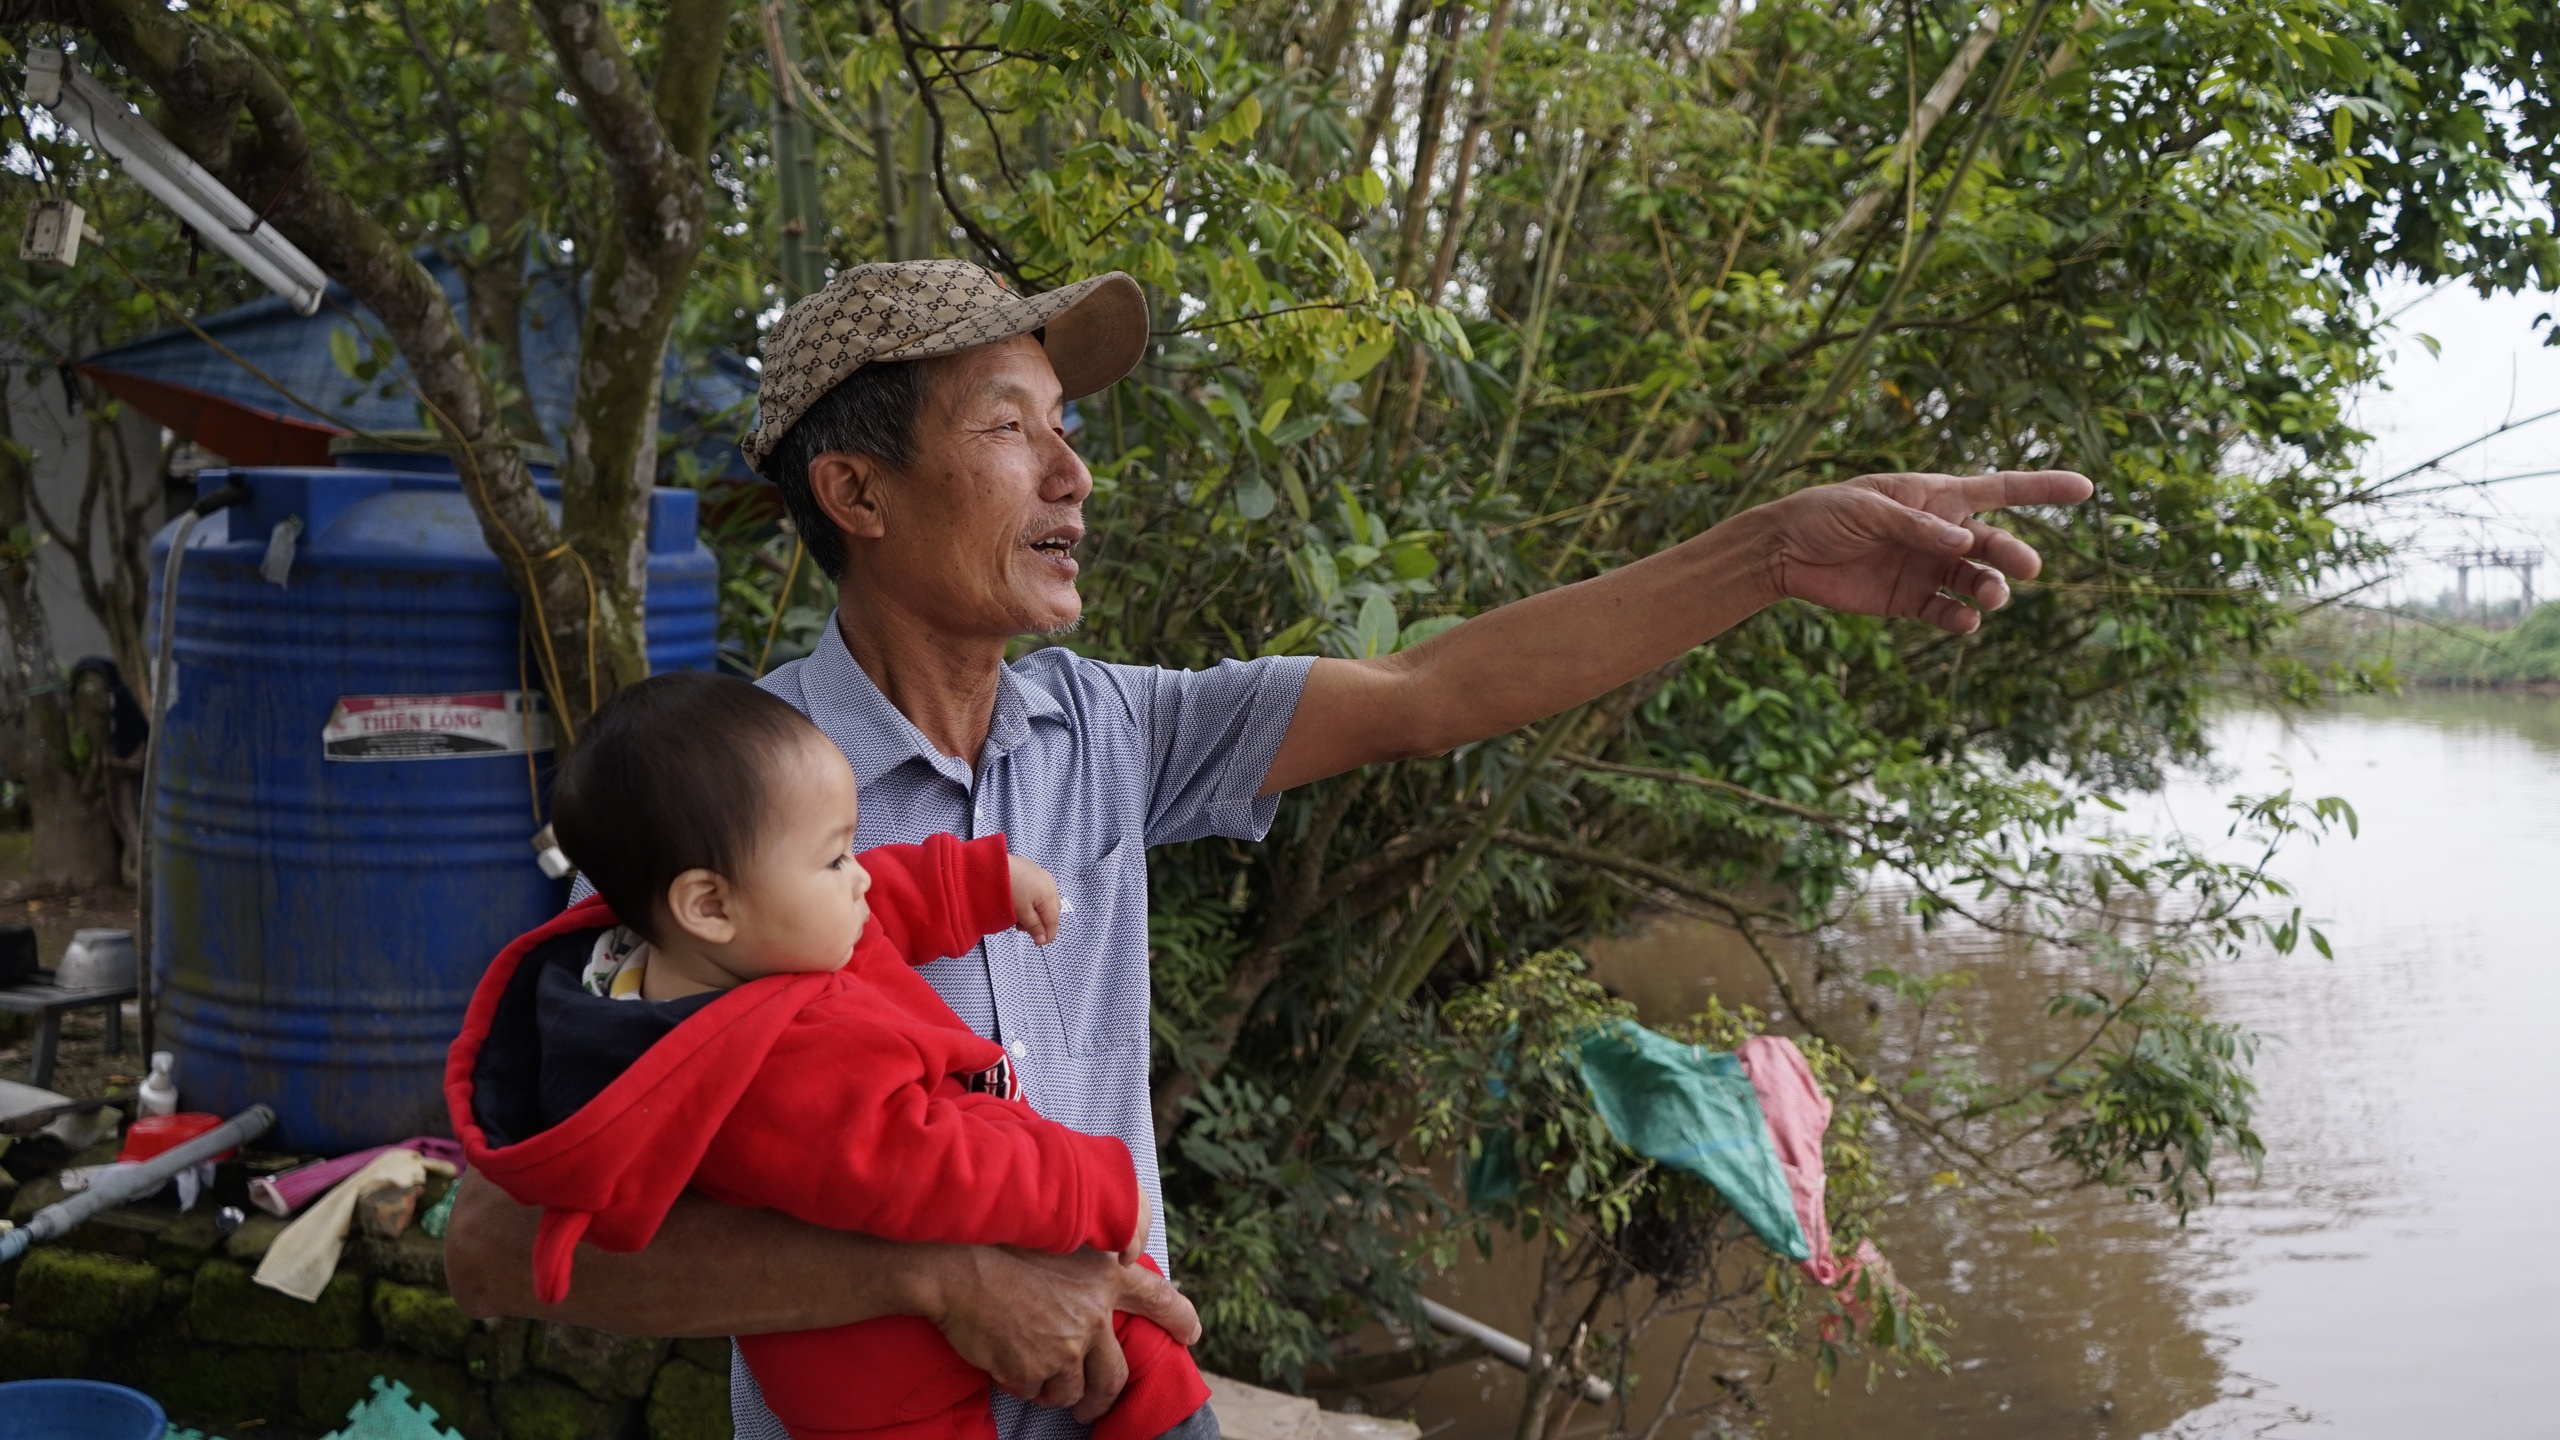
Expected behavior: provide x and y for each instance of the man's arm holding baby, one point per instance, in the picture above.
(1040, 1324)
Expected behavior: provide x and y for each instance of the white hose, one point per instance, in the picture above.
(162, 667)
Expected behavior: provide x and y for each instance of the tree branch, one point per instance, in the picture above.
(653, 149)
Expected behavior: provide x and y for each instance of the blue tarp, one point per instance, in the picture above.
(185, 384)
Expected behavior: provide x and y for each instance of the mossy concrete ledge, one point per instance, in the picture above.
(92, 1294)
(162, 1302)
(230, 1308)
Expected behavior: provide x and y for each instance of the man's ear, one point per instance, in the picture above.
(848, 490)
(698, 903)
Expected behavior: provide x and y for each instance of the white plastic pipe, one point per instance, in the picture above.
(1508, 1349)
(123, 1184)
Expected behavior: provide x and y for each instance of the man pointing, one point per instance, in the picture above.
(913, 417)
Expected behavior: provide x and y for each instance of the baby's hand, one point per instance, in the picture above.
(1035, 902)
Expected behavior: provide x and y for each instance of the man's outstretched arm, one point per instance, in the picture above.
(1898, 545)
(1040, 1324)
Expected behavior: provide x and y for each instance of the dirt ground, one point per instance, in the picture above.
(82, 1069)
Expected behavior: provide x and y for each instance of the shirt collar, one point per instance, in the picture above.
(843, 692)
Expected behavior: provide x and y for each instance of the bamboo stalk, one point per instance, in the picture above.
(1453, 220)
(1789, 446)
(1550, 265)
(1887, 179)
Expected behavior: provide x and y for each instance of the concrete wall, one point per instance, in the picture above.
(41, 419)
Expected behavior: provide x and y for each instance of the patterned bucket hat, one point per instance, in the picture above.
(1094, 330)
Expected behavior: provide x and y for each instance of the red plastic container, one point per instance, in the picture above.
(154, 1134)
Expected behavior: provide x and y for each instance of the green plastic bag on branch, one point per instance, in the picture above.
(1693, 1109)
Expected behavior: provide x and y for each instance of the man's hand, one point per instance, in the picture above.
(1041, 1324)
(1905, 546)
(1877, 545)
(1035, 901)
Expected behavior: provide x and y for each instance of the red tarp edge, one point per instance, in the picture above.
(240, 434)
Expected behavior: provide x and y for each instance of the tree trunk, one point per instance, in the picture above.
(495, 280)
(1382, 101)
(1446, 23)
(654, 153)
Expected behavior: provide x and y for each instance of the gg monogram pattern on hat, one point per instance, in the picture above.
(1095, 332)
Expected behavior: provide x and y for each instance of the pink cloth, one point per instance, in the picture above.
(1798, 1112)
(280, 1195)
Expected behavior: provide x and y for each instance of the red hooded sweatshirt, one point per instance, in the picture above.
(854, 1099)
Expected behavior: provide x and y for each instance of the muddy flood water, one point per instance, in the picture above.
(2392, 1274)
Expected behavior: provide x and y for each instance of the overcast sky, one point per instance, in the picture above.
(2493, 368)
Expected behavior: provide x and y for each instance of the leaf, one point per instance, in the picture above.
(1294, 639)
(1412, 560)
(342, 349)
(1354, 517)
(1296, 488)
(1255, 498)
(1316, 563)
(1426, 627)
(1364, 357)
(1299, 430)
(1274, 414)
(1377, 631)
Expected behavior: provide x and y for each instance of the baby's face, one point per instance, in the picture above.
(799, 906)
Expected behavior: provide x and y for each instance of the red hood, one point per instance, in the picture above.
(610, 1172)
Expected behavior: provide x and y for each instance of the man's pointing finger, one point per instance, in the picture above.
(2003, 488)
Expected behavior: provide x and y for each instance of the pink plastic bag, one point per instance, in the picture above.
(282, 1194)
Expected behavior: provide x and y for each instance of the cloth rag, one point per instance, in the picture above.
(305, 1254)
(1694, 1109)
(1797, 1113)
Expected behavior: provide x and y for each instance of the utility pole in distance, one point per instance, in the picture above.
(2522, 562)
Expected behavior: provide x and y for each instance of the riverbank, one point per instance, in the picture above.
(2427, 652)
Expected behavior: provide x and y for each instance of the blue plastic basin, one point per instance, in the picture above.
(78, 1410)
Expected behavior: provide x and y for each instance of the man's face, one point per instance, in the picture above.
(979, 533)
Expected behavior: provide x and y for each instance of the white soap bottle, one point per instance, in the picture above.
(159, 1094)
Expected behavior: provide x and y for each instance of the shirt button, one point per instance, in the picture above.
(1020, 1050)
(1066, 906)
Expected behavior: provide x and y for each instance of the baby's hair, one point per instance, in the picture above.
(676, 774)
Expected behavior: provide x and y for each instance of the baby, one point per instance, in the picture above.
(736, 1011)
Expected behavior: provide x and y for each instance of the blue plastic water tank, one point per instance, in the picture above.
(343, 823)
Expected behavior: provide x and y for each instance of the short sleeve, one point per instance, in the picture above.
(1211, 736)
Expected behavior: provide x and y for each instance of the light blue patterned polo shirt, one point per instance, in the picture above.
(1086, 765)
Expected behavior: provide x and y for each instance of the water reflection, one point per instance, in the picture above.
(2386, 1277)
